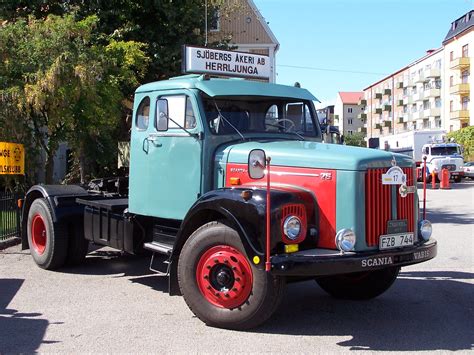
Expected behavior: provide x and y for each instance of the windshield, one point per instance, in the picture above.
(444, 150)
(259, 114)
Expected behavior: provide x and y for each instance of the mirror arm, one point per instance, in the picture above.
(195, 135)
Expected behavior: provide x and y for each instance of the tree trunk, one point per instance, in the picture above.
(82, 164)
(49, 168)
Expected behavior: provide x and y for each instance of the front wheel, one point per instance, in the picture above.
(360, 285)
(457, 178)
(220, 285)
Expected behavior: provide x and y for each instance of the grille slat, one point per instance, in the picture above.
(379, 204)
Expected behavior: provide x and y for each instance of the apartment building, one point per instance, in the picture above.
(247, 30)
(349, 112)
(432, 92)
(458, 108)
(326, 115)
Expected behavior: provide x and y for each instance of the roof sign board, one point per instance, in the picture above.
(201, 60)
(12, 159)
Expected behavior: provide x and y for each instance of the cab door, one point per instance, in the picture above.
(166, 178)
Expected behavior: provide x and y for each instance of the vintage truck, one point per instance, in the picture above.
(234, 193)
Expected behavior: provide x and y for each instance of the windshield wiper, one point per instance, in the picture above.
(228, 122)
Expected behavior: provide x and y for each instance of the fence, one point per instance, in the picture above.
(9, 216)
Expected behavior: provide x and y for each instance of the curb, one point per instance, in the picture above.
(9, 242)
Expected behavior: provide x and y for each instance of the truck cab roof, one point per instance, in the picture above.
(214, 87)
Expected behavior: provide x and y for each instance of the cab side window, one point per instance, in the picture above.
(174, 112)
(143, 114)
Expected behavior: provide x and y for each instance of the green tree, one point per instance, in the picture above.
(163, 25)
(61, 82)
(465, 137)
(355, 139)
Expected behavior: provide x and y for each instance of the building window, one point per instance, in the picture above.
(465, 76)
(215, 21)
(426, 105)
(350, 132)
(349, 110)
(438, 102)
(465, 102)
(451, 106)
(451, 80)
(437, 84)
(451, 56)
(349, 121)
(465, 50)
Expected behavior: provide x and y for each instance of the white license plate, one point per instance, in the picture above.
(391, 241)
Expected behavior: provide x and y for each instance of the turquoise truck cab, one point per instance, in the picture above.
(233, 192)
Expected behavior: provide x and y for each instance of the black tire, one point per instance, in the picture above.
(360, 285)
(265, 291)
(78, 246)
(47, 240)
(457, 179)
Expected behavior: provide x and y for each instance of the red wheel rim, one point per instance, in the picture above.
(38, 234)
(224, 276)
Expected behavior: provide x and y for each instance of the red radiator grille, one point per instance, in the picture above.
(378, 199)
(406, 205)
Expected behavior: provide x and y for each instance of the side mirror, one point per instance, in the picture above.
(162, 115)
(257, 164)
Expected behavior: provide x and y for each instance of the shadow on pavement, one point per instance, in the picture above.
(20, 332)
(439, 215)
(108, 262)
(399, 320)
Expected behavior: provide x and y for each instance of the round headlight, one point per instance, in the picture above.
(425, 229)
(345, 239)
(292, 227)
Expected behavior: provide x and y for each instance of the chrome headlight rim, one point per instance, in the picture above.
(346, 240)
(289, 230)
(425, 229)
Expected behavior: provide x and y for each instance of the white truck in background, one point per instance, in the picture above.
(432, 144)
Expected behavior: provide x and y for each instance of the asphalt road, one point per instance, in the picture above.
(114, 304)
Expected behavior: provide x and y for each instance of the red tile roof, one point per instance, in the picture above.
(350, 97)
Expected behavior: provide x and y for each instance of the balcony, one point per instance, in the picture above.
(432, 93)
(378, 126)
(409, 83)
(407, 100)
(433, 73)
(387, 108)
(399, 85)
(362, 130)
(459, 115)
(432, 112)
(378, 111)
(362, 102)
(400, 119)
(420, 78)
(399, 102)
(459, 89)
(387, 123)
(419, 96)
(362, 116)
(418, 115)
(459, 63)
(378, 95)
(387, 91)
(406, 117)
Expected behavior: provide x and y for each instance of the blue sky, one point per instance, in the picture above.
(370, 36)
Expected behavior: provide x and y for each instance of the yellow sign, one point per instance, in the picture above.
(12, 159)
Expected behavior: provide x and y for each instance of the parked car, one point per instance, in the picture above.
(469, 169)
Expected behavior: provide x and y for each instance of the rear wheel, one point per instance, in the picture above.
(457, 178)
(47, 240)
(360, 285)
(220, 285)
